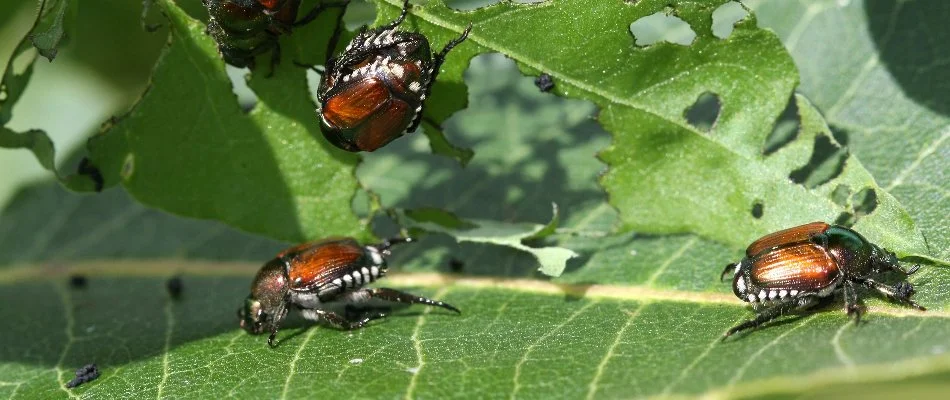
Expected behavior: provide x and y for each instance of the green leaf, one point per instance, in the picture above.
(552, 260)
(650, 325)
(883, 91)
(268, 171)
(635, 315)
(47, 42)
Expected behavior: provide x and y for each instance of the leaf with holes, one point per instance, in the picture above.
(551, 260)
(883, 92)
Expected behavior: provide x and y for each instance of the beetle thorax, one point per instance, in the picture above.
(270, 284)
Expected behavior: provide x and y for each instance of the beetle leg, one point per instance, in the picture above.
(274, 59)
(338, 320)
(772, 313)
(851, 302)
(315, 12)
(407, 298)
(335, 40)
(437, 61)
(900, 291)
(400, 18)
(275, 323)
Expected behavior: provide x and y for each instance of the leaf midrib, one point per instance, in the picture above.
(161, 268)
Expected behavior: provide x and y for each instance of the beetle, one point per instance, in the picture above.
(374, 91)
(312, 275)
(245, 29)
(793, 269)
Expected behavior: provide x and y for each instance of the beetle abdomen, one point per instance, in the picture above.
(803, 266)
(352, 280)
(786, 236)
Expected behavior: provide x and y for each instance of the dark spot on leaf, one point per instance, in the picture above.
(703, 113)
(456, 265)
(174, 286)
(78, 281)
(785, 129)
(757, 209)
(725, 18)
(845, 219)
(840, 195)
(84, 374)
(662, 27)
(827, 161)
(864, 202)
(544, 82)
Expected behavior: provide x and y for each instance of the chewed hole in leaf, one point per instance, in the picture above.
(785, 129)
(725, 18)
(865, 201)
(703, 113)
(757, 209)
(827, 161)
(841, 195)
(246, 97)
(662, 27)
(359, 13)
(845, 219)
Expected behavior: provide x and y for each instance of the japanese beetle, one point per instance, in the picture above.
(245, 29)
(374, 91)
(311, 275)
(793, 269)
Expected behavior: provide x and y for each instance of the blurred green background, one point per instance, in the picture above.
(102, 69)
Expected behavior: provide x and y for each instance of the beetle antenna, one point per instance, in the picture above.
(913, 269)
(725, 271)
(387, 244)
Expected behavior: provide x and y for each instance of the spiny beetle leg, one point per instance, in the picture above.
(315, 12)
(338, 320)
(770, 314)
(437, 61)
(408, 298)
(900, 291)
(851, 302)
